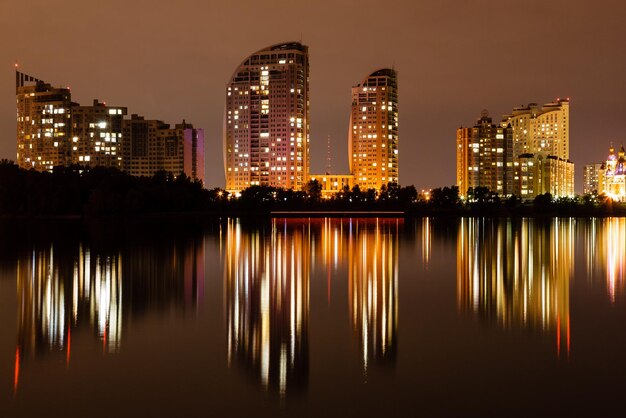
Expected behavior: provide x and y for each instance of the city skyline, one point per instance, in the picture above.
(189, 68)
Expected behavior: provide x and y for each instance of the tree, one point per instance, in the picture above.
(313, 190)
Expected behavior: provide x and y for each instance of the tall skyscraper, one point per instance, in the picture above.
(43, 123)
(266, 119)
(373, 131)
(485, 157)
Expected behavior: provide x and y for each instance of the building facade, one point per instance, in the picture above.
(591, 177)
(151, 146)
(43, 124)
(542, 173)
(333, 183)
(527, 154)
(373, 130)
(54, 131)
(542, 129)
(96, 135)
(484, 157)
(266, 120)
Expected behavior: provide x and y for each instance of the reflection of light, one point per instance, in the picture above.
(267, 299)
(373, 278)
(614, 246)
(517, 272)
(426, 241)
(16, 377)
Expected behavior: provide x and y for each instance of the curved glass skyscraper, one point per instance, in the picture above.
(266, 119)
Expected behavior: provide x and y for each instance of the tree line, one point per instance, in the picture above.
(78, 192)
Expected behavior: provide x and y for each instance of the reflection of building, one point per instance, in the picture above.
(605, 249)
(517, 273)
(266, 120)
(373, 289)
(267, 303)
(373, 131)
(485, 157)
(612, 178)
(67, 290)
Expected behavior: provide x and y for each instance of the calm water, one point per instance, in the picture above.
(329, 317)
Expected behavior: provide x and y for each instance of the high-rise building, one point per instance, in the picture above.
(266, 119)
(591, 177)
(535, 148)
(542, 129)
(96, 133)
(43, 123)
(373, 131)
(484, 157)
(150, 146)
(54, 131)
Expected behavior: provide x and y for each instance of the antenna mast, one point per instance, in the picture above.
(328, 156)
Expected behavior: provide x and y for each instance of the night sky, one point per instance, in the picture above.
(172, 60)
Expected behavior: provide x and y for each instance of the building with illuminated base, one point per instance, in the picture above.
(541, 173)
(373, 131)
(266, 120)
(333, 183)
(612, 181)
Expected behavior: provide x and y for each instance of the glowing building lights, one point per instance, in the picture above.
(276, 103)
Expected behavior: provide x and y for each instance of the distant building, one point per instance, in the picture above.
(96, 135)
(54, 131)
(333, 183)
(373, 131)
(591, 177)
(43, 124)
(266, 120)
(527, 154)
(150, 146)
(484, 157)
(612, 181)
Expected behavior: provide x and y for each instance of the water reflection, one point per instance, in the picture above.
(605, 249)
(267, 302)
(517, 272)
(66, 289)
(373, 282)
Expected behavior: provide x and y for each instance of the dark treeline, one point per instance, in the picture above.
(73, 192)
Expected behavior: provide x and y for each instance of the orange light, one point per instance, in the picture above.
(16, 378)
